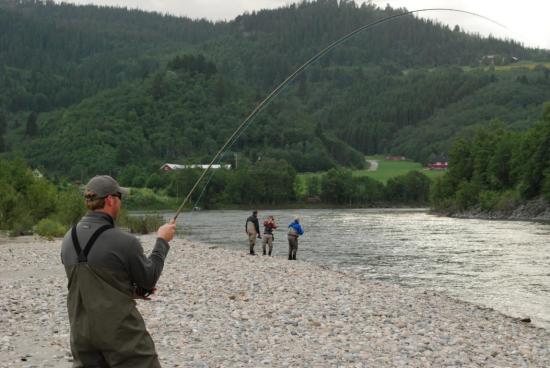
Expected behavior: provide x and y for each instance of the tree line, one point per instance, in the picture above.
(275, 183)
(30, 202)
(496, 168)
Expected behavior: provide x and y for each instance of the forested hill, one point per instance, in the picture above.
(87, 88)
(55, 55)
(279, 40)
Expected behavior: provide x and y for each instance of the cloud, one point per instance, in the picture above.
(209, 9)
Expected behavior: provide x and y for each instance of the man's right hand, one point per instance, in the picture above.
(167, 231)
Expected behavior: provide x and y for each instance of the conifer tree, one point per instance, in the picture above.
(32, 127)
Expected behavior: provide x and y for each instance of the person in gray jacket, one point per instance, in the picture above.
(106, 270)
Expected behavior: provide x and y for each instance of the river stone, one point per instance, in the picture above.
(215, 308)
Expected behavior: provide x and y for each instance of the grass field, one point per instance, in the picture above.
(387, 169)
(522, 64)
(525, 64)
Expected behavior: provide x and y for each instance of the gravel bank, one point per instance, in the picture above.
(220, 308)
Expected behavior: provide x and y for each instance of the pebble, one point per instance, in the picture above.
(218, 308)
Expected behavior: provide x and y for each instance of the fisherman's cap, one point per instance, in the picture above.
(103, 185)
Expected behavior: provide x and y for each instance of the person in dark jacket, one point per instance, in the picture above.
(107, 269)
(294, 231)
(252, 228)
(269, 226)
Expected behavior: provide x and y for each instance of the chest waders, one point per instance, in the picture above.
(107, 330)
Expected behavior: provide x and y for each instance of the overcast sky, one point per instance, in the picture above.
(527, 21)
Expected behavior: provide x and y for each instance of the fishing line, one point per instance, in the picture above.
(314, 58)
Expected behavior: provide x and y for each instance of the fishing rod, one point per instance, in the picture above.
(293, 75)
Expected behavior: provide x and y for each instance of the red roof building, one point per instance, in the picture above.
(438, 166)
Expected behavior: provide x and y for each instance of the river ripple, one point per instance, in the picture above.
(504, 265)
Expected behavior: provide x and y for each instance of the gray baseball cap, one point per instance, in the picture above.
(104, 185)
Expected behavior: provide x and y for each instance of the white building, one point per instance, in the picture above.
(172, 167)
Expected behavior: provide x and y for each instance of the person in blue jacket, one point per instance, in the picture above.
(294, 231)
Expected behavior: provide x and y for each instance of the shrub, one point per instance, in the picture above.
(20, 225)
(508, 200)
(413, 187)
(488, 200)
(50, 228)
(467, 195)
(140, 224)
(70, 207)
(337, 186)
(313, 186)
(441, 193)
(146, 199)
(546, 185)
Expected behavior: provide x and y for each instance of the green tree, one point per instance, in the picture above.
(461, 165)
(3, 123)
(313, 186)
(367, 191)
(337, 186)
(442, 193)
(25, 199)
(32, 127)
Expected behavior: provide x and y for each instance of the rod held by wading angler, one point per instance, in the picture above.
(314, 58)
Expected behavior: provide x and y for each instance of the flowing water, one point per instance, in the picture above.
(504, 265)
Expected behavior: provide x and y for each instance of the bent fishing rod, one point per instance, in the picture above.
(293, 75)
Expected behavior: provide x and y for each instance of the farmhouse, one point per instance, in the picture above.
(438, 166)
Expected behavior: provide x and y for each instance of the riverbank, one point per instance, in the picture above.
(222, 308)
(533, 210)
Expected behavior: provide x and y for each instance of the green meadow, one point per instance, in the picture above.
(531, 65)
(386, 170)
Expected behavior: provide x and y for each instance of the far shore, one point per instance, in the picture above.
(221, 308)
(533, 210)
(537, 210)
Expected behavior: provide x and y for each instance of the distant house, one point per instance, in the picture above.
(173, 167)
(498, 60)
(438, 166)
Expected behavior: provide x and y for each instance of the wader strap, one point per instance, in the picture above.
(83, 255)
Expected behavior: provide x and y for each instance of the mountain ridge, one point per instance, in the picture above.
(363, 98)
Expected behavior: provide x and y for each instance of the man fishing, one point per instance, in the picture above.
(252, 228)
(294, 231)
(269, 226)
(107, 269)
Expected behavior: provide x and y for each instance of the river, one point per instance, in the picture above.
(504, 265)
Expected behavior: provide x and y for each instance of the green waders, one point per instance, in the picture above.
(106, 328)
